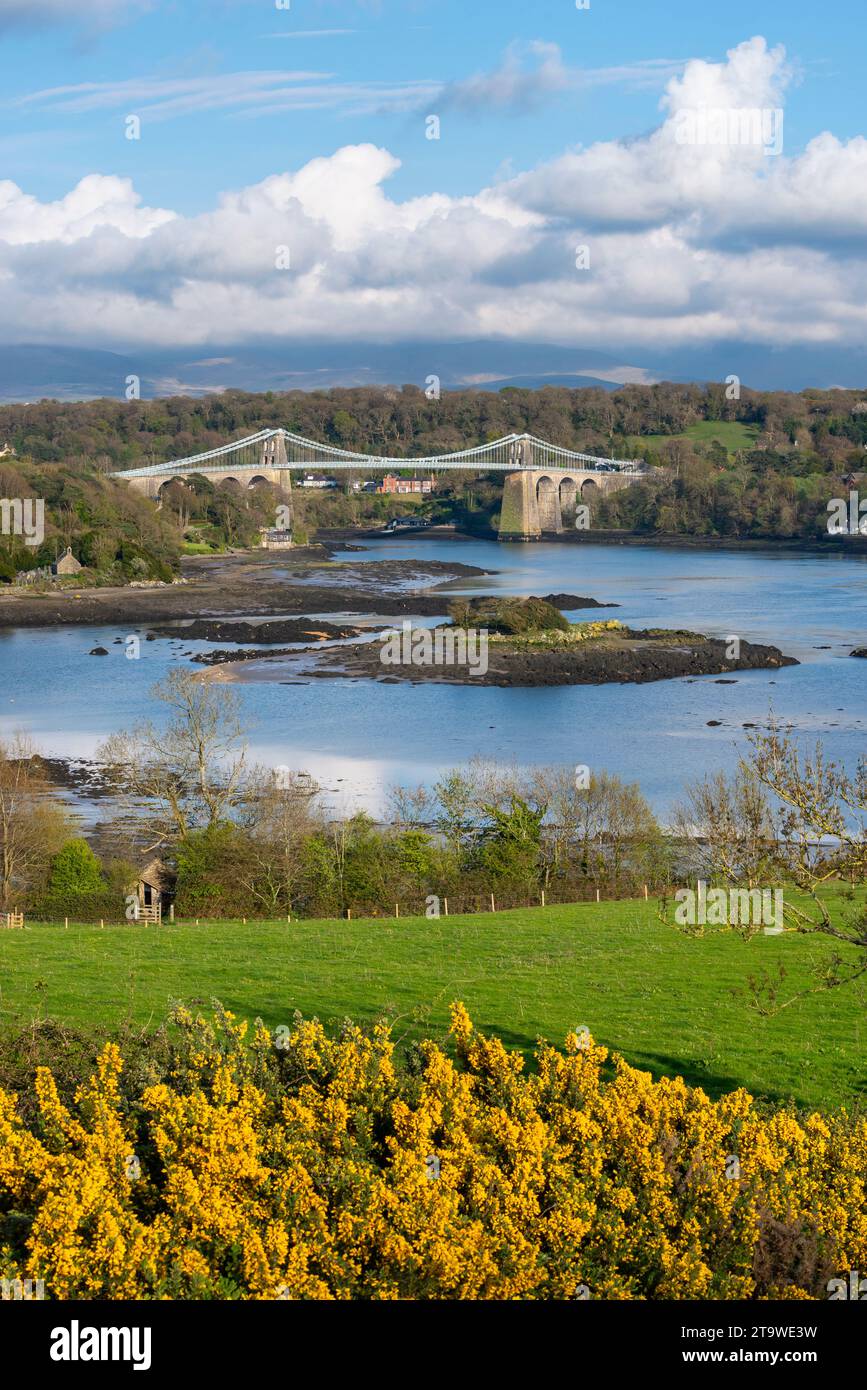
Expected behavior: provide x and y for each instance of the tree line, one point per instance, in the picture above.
(108, 434)
(772, 478)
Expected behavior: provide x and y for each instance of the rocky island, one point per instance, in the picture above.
(522, 642)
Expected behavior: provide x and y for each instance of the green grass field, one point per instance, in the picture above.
(666, 1001)
(732, 433)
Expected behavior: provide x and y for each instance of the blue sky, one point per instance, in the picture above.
(264, 128)
(185, 160)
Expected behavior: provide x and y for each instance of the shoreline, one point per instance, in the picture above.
(261, 584)
(249, 584)
(840, 545)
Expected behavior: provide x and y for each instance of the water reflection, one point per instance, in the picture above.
(359, 737)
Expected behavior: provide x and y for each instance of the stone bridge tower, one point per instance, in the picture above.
(544, 501)
(275, 470)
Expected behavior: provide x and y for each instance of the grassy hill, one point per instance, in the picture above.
(666, 1001)
(734, 434)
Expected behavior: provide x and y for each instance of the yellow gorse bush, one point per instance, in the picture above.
(555, 637)
(584, 632)
(323, 1171)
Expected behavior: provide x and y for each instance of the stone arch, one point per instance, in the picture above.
(568, 496)
(589, 489)
(548, 502)
(258, 481)
(232, 483)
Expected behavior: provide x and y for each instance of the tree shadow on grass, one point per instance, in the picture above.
(694, 1073)
(697, 1074)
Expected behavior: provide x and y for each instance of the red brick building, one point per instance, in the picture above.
(393, 484)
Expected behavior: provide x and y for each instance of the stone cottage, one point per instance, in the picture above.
(67, 564)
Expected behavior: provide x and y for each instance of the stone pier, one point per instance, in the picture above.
(539, 502)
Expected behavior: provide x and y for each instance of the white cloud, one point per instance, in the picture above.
(650, 180)
(96, 202)
(529, 74)
(243, 93)
(688, 244)
(725, 196)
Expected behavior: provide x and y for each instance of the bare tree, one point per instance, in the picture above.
(821, 819)
(190, 774)
(598, 825)
(410, 808)
(281, 815)
(796, 819)
(33, 825)
(726, 827)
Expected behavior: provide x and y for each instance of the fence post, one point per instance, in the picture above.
(397, 909)
(543, 897)
(349, 914)
(102, 923)
(493, 909)
(446, 905)
(171, 912)
(645, 892)
(66, 923)
(597, 895)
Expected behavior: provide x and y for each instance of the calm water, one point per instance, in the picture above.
(359, 737)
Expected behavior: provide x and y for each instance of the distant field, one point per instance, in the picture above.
(731, 433)
(664, 1000)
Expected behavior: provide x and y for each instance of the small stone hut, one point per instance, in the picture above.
(156, 885)
(67, 564)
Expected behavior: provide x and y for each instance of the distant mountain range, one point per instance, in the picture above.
(33, 371)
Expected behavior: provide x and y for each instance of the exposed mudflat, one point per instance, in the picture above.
(251, 584)
(256, 584)
(266, 632)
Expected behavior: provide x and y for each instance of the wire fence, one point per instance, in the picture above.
(431, 907)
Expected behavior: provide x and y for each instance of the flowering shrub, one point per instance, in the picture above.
(584, 632)
(307, 1167)
(553, 637)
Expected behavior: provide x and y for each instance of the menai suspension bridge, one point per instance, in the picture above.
(545, 480)
(511, 452)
